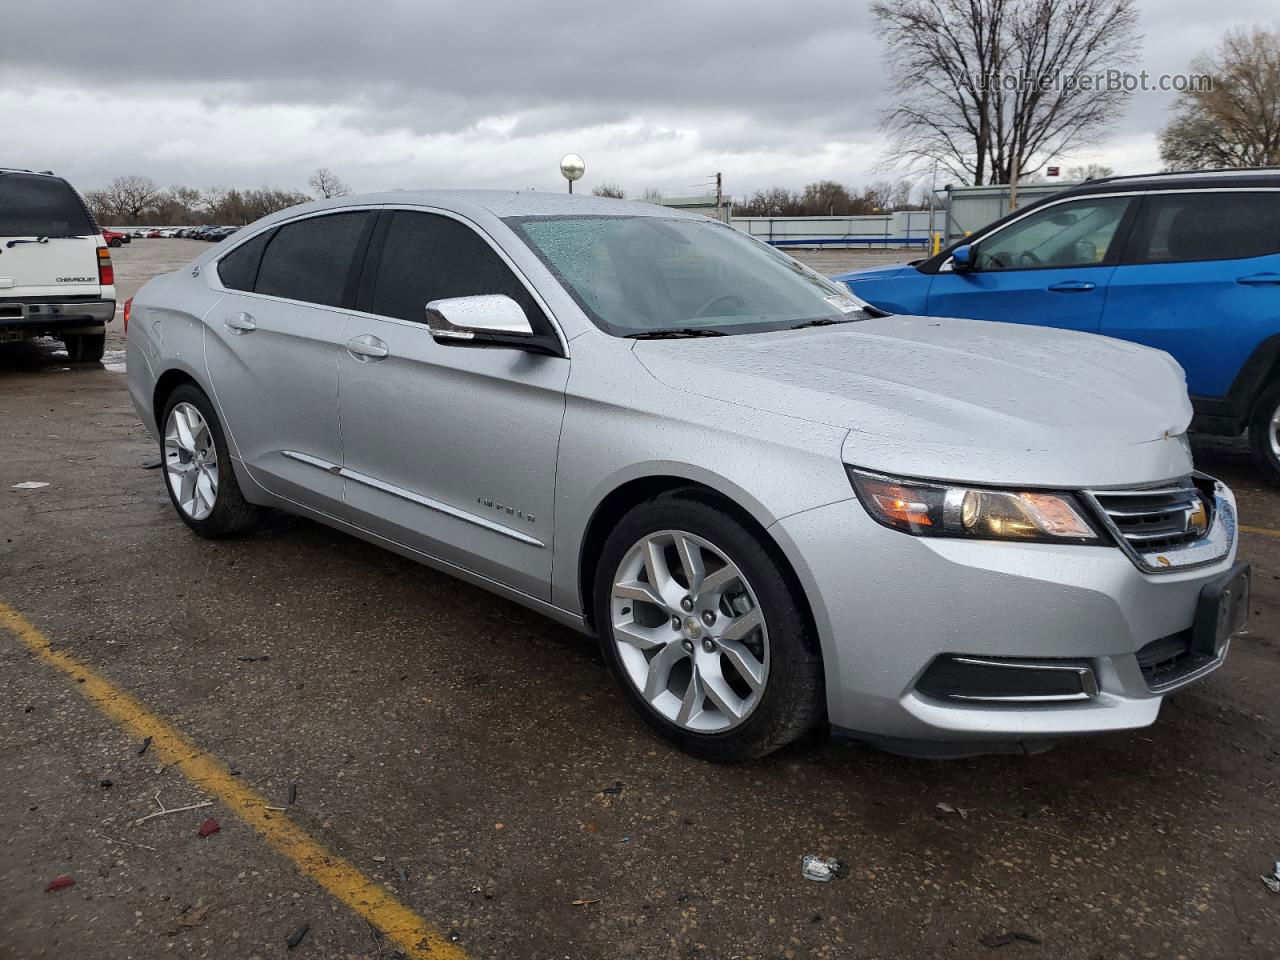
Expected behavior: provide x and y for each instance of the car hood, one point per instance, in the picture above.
(874, 273)
(956, 399)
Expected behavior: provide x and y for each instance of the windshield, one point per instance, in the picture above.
(638, 276)
(35, 206)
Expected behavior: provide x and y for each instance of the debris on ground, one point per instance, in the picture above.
(165, 811)
(293, 793)
(961, 812)
(1004, 939)
(581, 902)
(821, 869)
(295, 938)
(146, 744)
(60, 883)
(190, 917)
(155, 465)
(262, 659)
(1272, 880)
(105, 784)
(30, 485)
(614, 791)
(210, 826)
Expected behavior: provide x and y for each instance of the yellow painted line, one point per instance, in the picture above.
(1262, 531)
(413, 935)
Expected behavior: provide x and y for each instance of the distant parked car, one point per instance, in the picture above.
(153, 234)
(56, 276)
(114, 238)
(1186, 262)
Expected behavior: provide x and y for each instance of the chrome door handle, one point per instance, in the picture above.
(1073, 286)
(367, 348)
(239, 323)
(1260, 280)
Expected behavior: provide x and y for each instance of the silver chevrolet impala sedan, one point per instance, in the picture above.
(774, 506)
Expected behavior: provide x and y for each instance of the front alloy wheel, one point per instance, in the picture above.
(191, 461)
(689, 631)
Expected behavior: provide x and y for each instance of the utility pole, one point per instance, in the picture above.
(719, 195)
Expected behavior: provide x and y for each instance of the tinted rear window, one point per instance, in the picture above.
(314, 260)
(1220, 225)
(33, 206)
(238, 270)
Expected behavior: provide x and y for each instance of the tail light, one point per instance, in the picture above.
(106, 272)
(128, 309)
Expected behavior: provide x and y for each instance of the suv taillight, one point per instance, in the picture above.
(128, 309)
(106, 272)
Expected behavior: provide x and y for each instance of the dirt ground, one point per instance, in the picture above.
(476, 759)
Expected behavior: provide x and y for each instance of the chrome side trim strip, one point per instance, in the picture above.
(412, 497)
(311, 461)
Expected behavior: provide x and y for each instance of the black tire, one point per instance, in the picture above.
(232, 514)
(114, 243)
(1264, 409)
(85, 347)
(794, 698)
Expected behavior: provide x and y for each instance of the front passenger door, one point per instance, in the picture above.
(450, 450)
(1050, 267)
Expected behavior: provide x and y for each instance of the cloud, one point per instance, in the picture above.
(397, 93)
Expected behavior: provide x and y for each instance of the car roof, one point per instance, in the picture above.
(501, 204)
(1182, 180)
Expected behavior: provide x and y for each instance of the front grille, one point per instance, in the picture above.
(1169, 660)
(1154, 519)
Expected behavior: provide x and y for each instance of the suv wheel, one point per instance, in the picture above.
(701, 625)
(1264, 434)
(197, 467)
(85, 347)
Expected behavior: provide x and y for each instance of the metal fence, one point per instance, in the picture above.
(972, 208)
(906, 228)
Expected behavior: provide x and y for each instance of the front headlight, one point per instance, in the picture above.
(951, 510)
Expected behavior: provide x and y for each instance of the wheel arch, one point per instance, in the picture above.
(631, 493)
(168, 382)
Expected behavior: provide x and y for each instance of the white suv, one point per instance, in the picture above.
(56, 278)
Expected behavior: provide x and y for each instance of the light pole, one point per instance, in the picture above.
(573, 167)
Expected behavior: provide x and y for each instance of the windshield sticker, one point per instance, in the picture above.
(843, 304)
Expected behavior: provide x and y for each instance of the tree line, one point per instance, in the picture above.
(135, 200)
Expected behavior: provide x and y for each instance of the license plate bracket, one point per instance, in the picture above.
(1222, 611)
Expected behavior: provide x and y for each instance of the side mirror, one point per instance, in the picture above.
(962, 258)
(485, 321)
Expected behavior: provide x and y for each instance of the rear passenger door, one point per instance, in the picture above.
(272, 344)
(1200, 278)
(450, 450)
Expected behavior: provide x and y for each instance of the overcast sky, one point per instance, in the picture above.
(488, 93)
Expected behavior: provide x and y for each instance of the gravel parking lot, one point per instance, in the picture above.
(477, 761)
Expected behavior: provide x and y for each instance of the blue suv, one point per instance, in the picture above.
(1187, 262)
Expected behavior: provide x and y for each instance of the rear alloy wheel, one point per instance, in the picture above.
(1264, 434)
(704, 631)
(85, 347)
(197, 468)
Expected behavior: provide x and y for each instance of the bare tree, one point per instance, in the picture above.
(1236, 122)
(124, 199)
(609, 190)
(991, 88)
(1089, 171)
(326, 184)
(652, 195)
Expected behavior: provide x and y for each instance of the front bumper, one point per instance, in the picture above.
(888, 604)
(41, 313)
